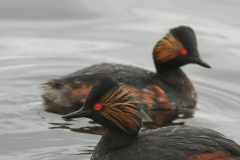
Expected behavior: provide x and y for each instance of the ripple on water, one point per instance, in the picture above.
(52, 47)
(218, 106)
(70, 152)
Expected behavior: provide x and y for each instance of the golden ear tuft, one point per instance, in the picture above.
(167, 48)
(119, 109)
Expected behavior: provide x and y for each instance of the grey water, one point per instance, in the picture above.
(40, 40)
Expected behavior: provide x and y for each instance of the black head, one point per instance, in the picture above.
(111, 106)
(177, 48)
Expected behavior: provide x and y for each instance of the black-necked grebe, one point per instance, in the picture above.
(111, 106)
(169, 88)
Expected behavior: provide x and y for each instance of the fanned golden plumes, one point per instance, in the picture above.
(167, 48)
(119, 110)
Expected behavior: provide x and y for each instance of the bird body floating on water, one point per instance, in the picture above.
(111, 106)
(168, 88)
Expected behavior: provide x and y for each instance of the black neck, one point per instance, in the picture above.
(172, 76)
(177, 80)
(111, 141)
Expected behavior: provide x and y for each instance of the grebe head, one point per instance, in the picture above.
(177, 48)
(112, 107)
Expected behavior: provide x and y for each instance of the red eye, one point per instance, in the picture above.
(97, 107)
(184, 51)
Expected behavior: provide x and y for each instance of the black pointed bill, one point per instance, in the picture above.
(77, 114)
(201, 62)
